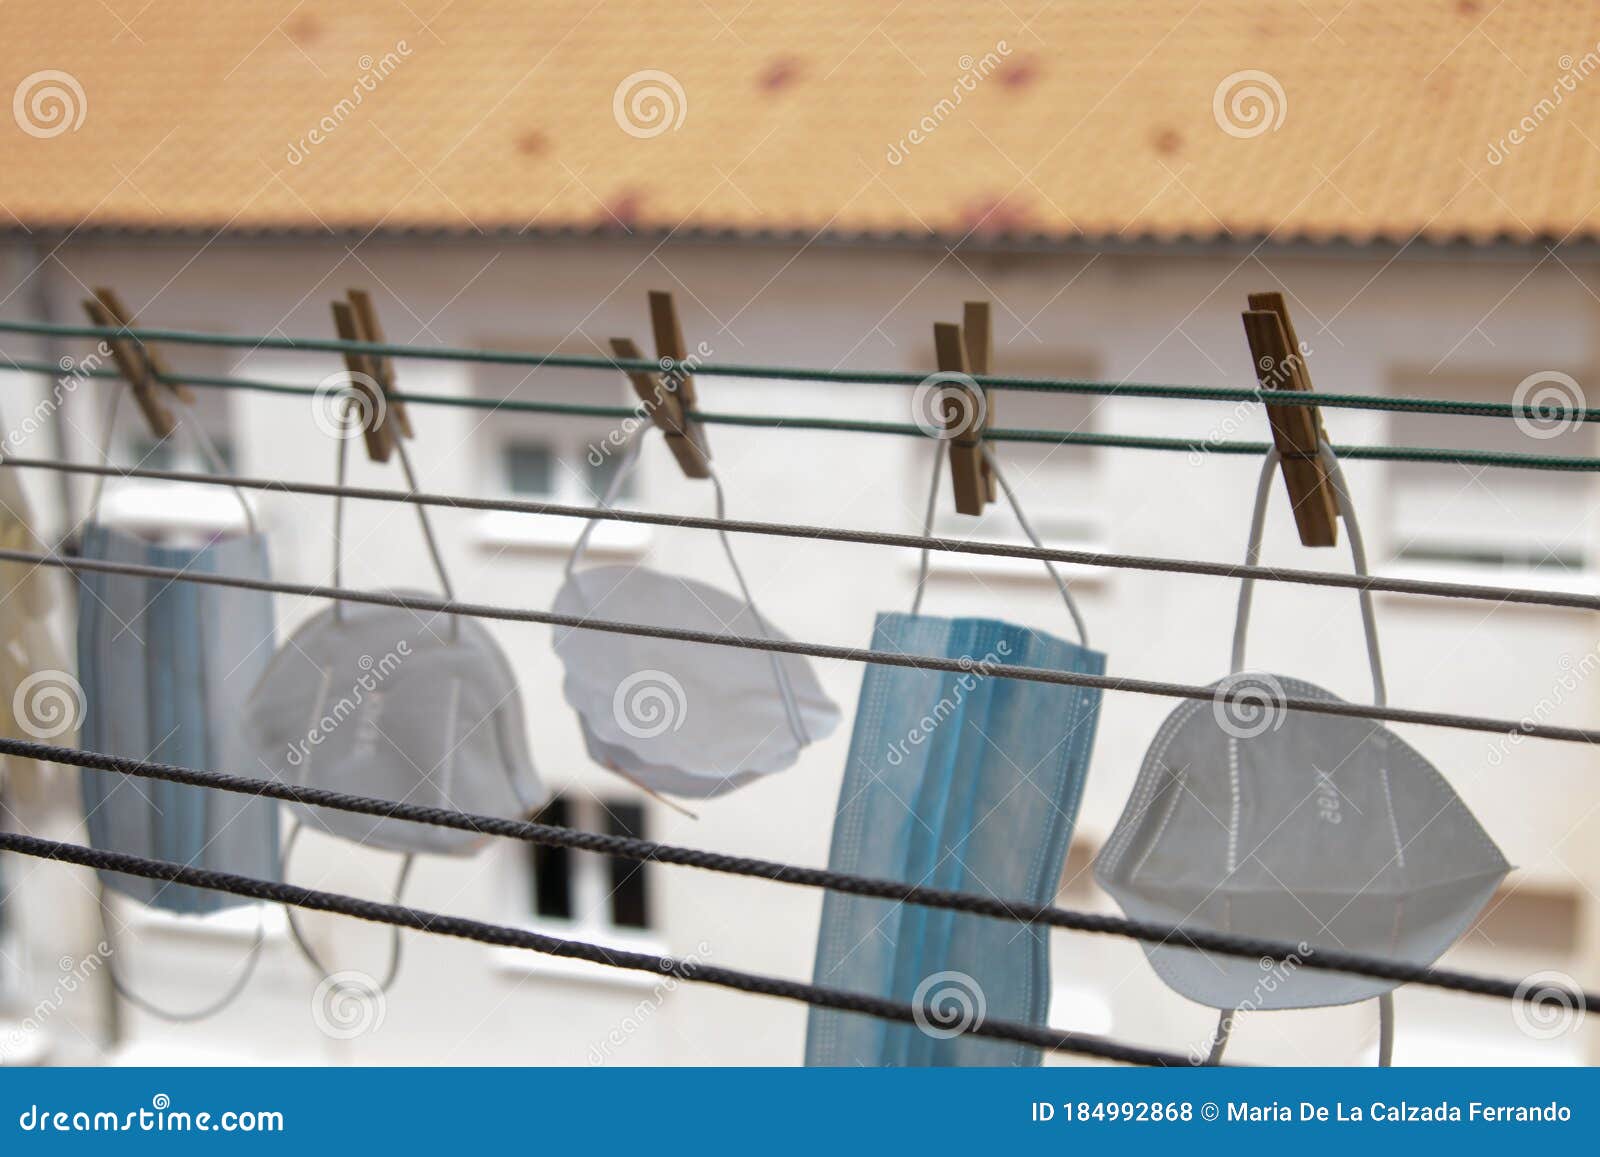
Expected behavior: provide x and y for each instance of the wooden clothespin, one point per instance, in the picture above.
(670, 398)
(1296, 430)
(141, 366)
(963, 420)
(979, 340)
(371, 375)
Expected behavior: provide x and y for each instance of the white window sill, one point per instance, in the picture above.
(1565, 582)
(546, 534)
(236, 924)
(146, 507)
(526, 962)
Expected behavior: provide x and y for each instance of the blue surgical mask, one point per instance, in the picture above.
(165, 669)
(961, 781)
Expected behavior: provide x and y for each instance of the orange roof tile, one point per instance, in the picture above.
(1354, 120)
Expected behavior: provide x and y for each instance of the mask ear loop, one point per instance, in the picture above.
(208, 451)
(1022, 521)
(780, 677)
(341, 469)
(396, 944)
(246, 969)
(1380, 693)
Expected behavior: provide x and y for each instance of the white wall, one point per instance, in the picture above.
(1143, 318)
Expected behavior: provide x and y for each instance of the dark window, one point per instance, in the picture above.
(552, 867)
(630, 896)
(530, 468)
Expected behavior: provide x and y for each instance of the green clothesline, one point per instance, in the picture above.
(907, 429)
(796, 374)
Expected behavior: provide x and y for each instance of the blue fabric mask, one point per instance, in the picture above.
(166, 667)
(961, 781)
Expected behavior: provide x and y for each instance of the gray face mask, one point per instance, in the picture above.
(684, 719)
(1295, 826)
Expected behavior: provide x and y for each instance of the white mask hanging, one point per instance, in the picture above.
(680, 718)
(1295, 826)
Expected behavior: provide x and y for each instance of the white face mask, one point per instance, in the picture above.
(686, 719)
(1295, 826)
(401, 705)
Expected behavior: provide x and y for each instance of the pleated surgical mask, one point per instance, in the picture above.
(165, 669)
(963, 781)
(684, 719)
(1254, 819)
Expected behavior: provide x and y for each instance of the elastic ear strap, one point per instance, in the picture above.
(927, 524)
(395, 943)
(208, 450)
(234, 990)
(1358, 555)
(1027, 529)
(630, 461)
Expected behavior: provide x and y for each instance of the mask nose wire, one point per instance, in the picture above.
(1022, 521)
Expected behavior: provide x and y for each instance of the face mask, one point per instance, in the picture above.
(398, 704)
(1253, 819)
(165, 669)
(685, 719)
(401, 705)
(962, 781)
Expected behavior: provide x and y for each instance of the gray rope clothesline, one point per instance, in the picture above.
(692, 971)
(1220, 694)
(1476, 591)
(633, 848)
(1208, 445)
(144, 334)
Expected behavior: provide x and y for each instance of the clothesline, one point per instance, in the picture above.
(1228, 447)
(1246, 696)
(692, 971)
(1336, 579)
(628, 847)
(142, 334)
